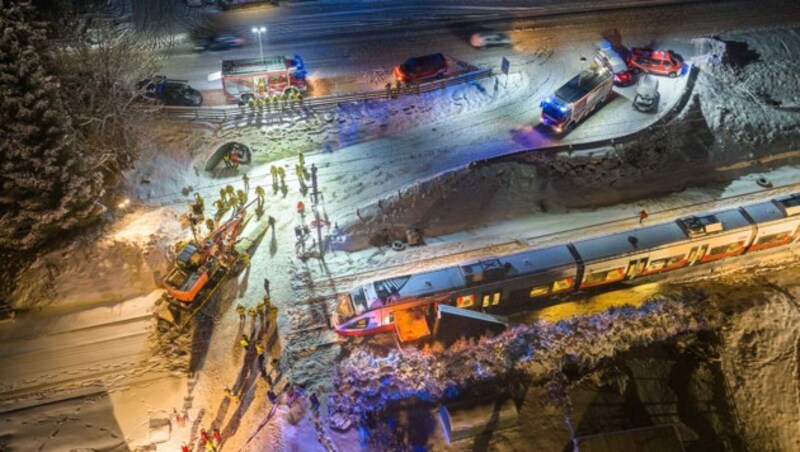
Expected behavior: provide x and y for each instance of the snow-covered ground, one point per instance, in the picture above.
(89, 332)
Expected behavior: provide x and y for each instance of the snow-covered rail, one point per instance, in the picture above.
(346, 281)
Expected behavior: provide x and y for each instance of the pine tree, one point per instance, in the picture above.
(46, 184)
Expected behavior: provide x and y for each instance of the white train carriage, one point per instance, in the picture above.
(510, 282)
(664, 247)
(485, 285)
(778, 222)
(493, 284)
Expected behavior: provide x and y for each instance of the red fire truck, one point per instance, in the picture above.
(246, 79)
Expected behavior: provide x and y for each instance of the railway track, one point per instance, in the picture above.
(350, 279)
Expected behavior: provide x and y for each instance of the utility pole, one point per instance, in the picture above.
(315, 201)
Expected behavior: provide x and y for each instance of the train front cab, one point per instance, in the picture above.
(665, 247)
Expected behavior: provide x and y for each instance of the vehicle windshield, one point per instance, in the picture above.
(553, 110)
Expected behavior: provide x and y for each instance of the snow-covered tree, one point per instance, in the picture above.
(47, 184)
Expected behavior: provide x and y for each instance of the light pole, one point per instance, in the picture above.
(259, 31)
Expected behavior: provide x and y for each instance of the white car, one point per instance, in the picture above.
(489, 38)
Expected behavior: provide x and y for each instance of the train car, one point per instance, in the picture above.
(778, 222)
(492, 284)
(664, 247)
(517, 281)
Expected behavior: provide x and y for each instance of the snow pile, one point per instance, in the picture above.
(125, 263)
(760, 357)
(367, 383)
(750, 94)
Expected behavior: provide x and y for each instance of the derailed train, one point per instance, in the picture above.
(517, 281)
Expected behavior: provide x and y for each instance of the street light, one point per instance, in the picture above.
(259, 31)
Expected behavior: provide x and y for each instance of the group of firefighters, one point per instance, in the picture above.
(233, 156)
(264, 312)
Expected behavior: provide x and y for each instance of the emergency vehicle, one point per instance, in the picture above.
(579, 97)
(246, 79)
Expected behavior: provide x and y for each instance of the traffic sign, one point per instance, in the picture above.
(506, 65)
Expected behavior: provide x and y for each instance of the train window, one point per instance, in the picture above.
(361, 324)
(605, 276)
(539, 291)
(388, 319)
(492, 299)
(772, 238)
(562, 284)
(465, 301)
(730, 248)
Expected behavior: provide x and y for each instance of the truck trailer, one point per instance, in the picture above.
(579, 97)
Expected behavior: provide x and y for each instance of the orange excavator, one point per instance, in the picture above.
(200, 267)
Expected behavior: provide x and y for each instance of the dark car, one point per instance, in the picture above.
(169, 92)
(421, 68)
(219, 42)
(657, 62)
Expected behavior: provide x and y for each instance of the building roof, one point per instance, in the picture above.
(659, 438)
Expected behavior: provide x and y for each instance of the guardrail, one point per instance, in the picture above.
(277, 109)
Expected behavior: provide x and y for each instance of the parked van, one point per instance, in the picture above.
(647, 96)
(421, 68)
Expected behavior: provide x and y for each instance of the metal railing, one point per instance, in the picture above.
(280, 108)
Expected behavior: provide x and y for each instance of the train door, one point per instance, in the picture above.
(490, 299)
(635, 267)
(696, 254)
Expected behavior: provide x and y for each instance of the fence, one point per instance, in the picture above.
(280, 108)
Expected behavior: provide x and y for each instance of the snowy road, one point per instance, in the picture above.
(335, 47)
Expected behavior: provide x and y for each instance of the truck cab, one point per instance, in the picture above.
(576, 99)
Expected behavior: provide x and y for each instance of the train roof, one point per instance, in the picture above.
(789, 204)
(712, 222)
(420, 284)
(629, 241)
(534, 261)
(764, 212)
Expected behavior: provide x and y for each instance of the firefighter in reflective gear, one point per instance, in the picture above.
(240, 309)
(244, 341)
(223, 195)
(282, 175)
(246, 181)
(226, 157)
(260, 195)
(301, 160)
(210, 224)
(274, 171)
(245, 259)
(242, 198)
(252, 313)
(232, 395)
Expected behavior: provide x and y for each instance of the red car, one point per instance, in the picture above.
(421, 68)
(658, 62)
